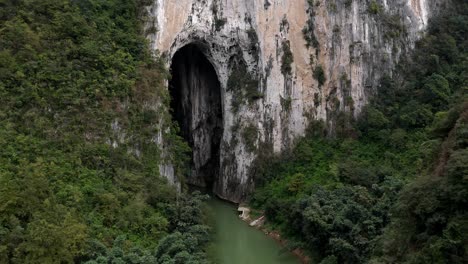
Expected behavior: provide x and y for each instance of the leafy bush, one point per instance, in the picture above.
(185, 244)
(308, 31)
(79, 166)
(374, 8)
(319, 75)
(243, 86)
(250, 136)
(340, 198)
(287, 59)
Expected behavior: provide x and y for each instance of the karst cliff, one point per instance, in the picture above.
(249, 76)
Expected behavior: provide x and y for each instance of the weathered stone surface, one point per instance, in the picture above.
(244, 212)
(357, 42)
(196, 104)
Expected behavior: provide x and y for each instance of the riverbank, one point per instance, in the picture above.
(236, 242)
(259, 224)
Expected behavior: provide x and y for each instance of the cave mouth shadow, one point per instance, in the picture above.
(196, 105)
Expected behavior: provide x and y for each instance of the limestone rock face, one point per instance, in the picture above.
(196, 104)
(284, 63)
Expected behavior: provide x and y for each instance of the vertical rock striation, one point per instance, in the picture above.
(196, 105)
(281, 64)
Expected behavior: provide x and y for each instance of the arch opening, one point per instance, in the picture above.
(197, 107)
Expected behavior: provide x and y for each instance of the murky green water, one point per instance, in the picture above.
(238, 243)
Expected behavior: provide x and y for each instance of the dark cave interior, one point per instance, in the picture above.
(196, 106)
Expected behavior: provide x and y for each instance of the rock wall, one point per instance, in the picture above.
(196, 104)
(283, 63)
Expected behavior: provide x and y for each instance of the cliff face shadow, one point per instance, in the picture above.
(196, 106)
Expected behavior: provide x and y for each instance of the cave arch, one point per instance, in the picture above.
(196, 105)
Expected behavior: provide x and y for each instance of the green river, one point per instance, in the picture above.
(238, 243)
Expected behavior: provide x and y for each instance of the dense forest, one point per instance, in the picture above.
(390, 186)
(76, 77)
(79, 165)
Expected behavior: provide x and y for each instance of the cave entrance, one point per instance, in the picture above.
(196, 105)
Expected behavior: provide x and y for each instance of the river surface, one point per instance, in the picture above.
(236, 242)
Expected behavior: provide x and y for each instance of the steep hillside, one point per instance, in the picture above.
(340, 198)
(281, 66)
(82, 103)
(344, 122)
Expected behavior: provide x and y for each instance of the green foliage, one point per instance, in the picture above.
(287, 59)
(118, 253)
(430, 214)
(372, 120)
(253, 39)
(438, 89)
(309, 35)
(393, 26)
(444, 121)
(308, 31)
(340, 199)
(332, 7)
(185, 244)
(343, 222)
(286, 103)
(191, 236)
(374, 7)
(79, 164)
(243, 85)
(319, 75)
(250, 137)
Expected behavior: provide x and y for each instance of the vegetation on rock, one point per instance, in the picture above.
(287, 58)
(79, 166)
(319, 75)
(309, 29)
(393, 188)
(243, 86)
